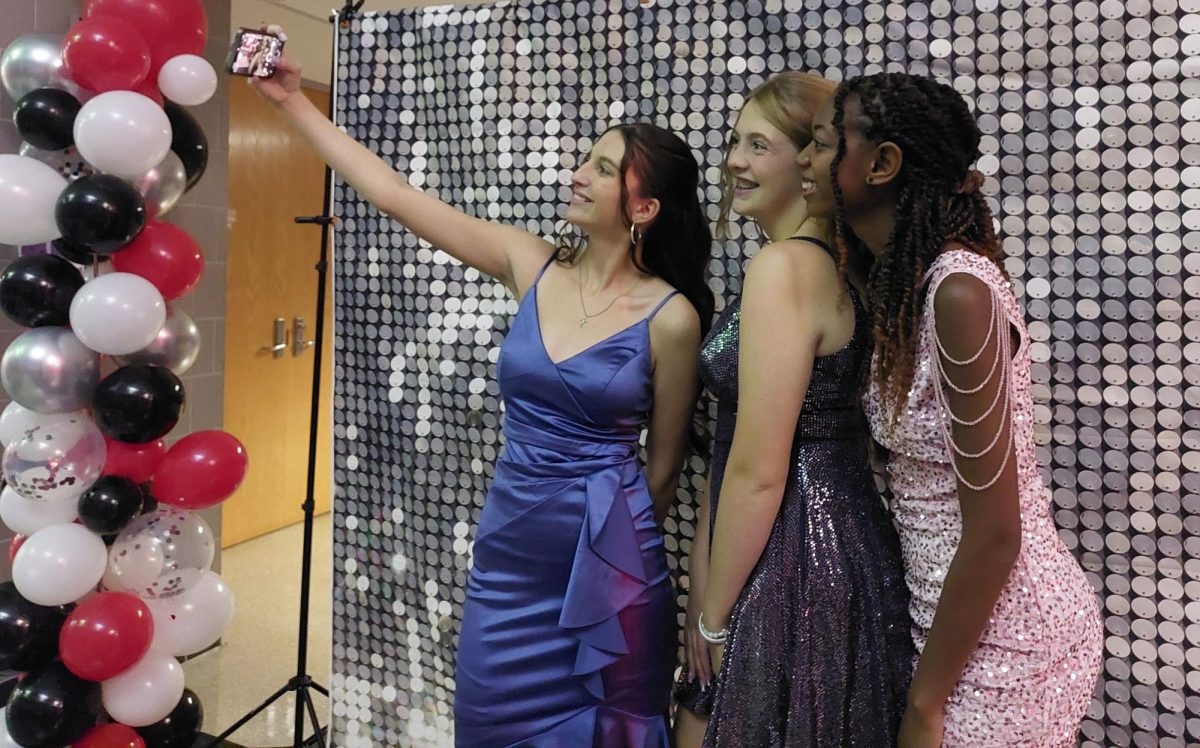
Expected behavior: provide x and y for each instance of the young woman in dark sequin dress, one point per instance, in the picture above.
(802, 578)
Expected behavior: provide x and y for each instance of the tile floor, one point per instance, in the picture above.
(258, 653)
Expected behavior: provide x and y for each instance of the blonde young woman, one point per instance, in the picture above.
(797, 627)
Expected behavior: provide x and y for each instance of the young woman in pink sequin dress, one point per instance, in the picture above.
(1006, 624)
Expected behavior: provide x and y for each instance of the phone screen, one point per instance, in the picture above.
(254, 53)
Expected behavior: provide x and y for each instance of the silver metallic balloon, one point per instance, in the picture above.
(67, 162)
(176, 346)
(163, 185)
(48, 370)
(35, 61)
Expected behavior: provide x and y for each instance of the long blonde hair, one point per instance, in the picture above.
(789, 101)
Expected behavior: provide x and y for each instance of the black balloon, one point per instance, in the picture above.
(111, 503)
(46, 118)
(51, 708)
(28, 632)
(149, 503)
(180, 728)
(138, 403)
(37, 290)
(76, 253)
(100, 212)
(188, 141)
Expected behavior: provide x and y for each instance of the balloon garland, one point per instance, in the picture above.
(110, 566)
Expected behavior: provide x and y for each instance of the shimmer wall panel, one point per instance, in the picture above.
(1091, 115)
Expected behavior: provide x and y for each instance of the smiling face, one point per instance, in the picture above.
(862, 166)
(815, 162)
(596, 187)
(761, 161)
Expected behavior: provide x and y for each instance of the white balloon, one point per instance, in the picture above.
(122, 133)
(29, 191)
(26, 517)
(16, 421)
(117, 313)
(188, 80)
(146, 692)
(194, 620)
(59, 564)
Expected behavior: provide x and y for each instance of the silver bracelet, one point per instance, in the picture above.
(712, 637)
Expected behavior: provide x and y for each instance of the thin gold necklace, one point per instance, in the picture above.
(584, 319)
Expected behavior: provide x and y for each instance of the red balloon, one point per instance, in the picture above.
(14, 545)
(201, 470)
(105, 635)
(171, 27)
(166, 256)
(114, 735)
(137, 462)
(106, 54)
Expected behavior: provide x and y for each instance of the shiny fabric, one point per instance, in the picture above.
(1031, 677)
(819, 651)
(567, 637)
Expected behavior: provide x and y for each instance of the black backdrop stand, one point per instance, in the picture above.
(302, 684)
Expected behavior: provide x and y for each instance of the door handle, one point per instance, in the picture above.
(299, 344)
(280, 338)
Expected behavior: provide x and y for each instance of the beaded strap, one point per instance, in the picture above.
(997, 325)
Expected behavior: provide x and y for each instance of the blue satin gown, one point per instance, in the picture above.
(568, 636)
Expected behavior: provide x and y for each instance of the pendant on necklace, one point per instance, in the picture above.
(582, 321)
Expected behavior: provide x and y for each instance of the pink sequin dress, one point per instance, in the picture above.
(1031, 678)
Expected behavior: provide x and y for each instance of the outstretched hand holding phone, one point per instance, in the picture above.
(278, 88)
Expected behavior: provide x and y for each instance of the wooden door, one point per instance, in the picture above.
(273, 177)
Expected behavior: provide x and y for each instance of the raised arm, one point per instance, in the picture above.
(974, 364)
(509, 254)
(786, 287)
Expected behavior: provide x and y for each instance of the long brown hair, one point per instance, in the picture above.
(938, 202)
(677, 245)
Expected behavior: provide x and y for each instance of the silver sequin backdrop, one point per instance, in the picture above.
(1091, 116)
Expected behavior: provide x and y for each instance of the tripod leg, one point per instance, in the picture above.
(319, 689)
(257, 710)
(312, 714)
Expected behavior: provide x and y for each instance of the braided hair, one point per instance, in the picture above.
(938, 202)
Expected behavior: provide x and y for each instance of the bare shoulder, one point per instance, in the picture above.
(677, 323)
(962, 311)
(527, 255)
(794, 265)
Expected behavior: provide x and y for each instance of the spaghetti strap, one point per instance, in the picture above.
(660, 305)
(819, 242)
(541, 272)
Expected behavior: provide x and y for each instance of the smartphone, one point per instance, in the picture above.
(254, 53)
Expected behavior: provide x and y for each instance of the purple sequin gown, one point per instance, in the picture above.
(819, 650)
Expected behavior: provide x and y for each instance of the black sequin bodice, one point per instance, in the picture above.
(831, 407)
